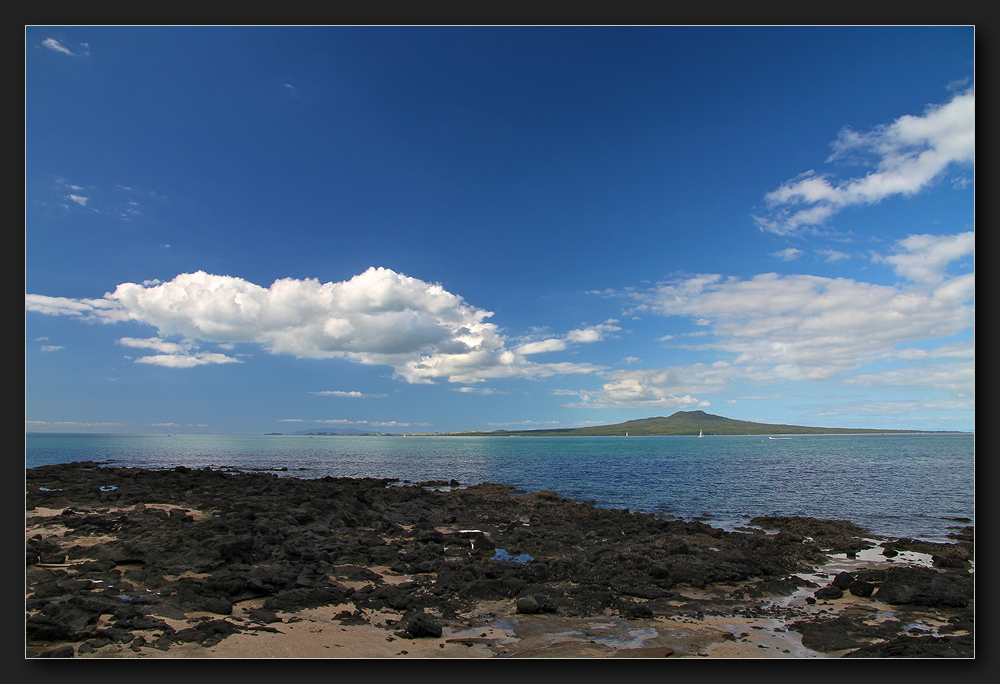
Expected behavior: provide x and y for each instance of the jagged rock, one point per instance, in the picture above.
(537, 603)
(919, 647)
(829, 592)
(422, 625)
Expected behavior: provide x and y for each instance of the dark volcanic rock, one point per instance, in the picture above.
(782, 586)
(919, 647)
(837, 536)
(201, 540)
(843, 580)
(422, 625)
(830, 592)
(922, 587)
(540, 603)
(826, 634)
(861, 588)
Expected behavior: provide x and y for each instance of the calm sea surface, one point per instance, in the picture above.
(895, 485)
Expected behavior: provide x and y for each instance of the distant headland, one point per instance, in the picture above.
(680, 423)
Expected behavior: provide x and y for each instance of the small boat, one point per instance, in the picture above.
(779, 437)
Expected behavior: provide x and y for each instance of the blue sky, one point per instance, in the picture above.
(432, 229)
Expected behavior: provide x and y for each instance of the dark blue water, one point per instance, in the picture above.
(894, 485)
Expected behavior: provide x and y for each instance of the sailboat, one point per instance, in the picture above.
(700, 433)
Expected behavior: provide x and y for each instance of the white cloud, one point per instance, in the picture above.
(789, 254)
(79, 199)
(909, 154)
(174, 354)
(343, 421)
(186, 360)
(69, 423)
(542, 346)
(832, 256)
(350, 395)
(897, 407)
(154, 343)
(378, 317)
(660, 388)
(813, 327)
(956, 378)
(483, 391)
(101, 310)
(772, 329)
(56, 46)
(525, 423)
(586, 335)
(923, 258)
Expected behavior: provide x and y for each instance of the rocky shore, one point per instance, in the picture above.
(125, 563)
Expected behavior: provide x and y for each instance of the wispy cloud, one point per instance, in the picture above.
(529, 424)
(924, 258)
(349, 395)
(345, 421)
(56, 46)
(36, 424)
(476, 389)
(82, 49)
(116, 200)
(585, 335)
(174, 354)
(832, 256)
(788, 254)
(895, 407)
(908, 155)
(771, 329)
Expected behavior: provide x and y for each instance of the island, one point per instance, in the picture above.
(686, 423)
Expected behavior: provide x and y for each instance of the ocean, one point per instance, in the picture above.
(900, 485)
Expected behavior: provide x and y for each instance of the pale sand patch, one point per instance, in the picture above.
(314, 633)
(37, 523)
(44, 512)
(493, 629)
(757, 638)
(390, 577)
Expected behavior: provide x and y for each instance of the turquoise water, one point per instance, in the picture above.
(896, 485)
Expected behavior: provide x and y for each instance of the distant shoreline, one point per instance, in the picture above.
(521, 433)
(557, 433)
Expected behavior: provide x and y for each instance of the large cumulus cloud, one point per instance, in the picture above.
(378, 317)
